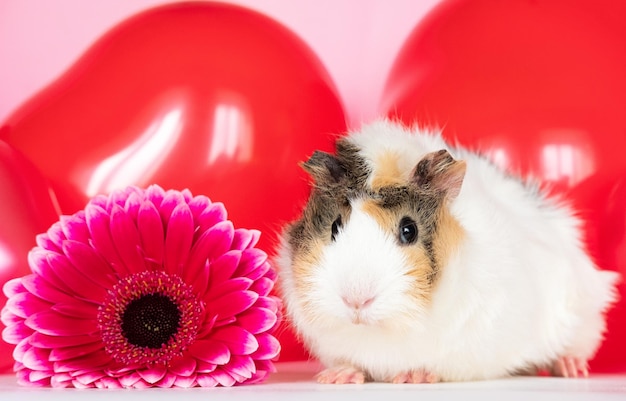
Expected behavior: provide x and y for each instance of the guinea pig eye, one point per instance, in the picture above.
(335, 228)
(407, 231)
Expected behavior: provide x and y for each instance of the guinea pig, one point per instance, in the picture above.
(417, 261)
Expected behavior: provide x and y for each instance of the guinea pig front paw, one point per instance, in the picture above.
(567, 366)
(341, 375)
(415, 376)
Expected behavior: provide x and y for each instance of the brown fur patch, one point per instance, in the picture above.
(447, 237)
(421, 273)
(303, 261)
(303, 264)
(387, 171)
(384, 217)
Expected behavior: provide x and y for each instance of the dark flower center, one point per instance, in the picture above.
(150, 320)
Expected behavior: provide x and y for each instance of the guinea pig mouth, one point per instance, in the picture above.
(361, 317)
(360, 320)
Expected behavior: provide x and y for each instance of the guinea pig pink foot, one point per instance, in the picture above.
(415, 376)
(341, 375)
(568, 366)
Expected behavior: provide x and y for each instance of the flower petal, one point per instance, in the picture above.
(223, 378)
(37, 359)
(45, 341)
(238, 340)
(206, 380)
(233, 285)
(126, 240)
(39, 375)
(25, 304)
(167, 381)
(169, 203)
(272, 274)
(39, 264)
(210, 351)
(257, 320)
(183, 366)
(256, 235)
(119, 196)
(60, 380)
(265, 365)
(241, 365)
(241, 239)
(152, 375)
(132, 205)
(178, 239)
(223, 267)
(199, 278)
(54, 324)
(21, 348)
(253, 264)
(270, 303)
(56, 235)
(93, 361)
(154, 194)
(13, 286)
(108, 383)
(196, 267)
(232, 303)
(98, 224)
(141, 384)
(238, 378)
(76, 309)
(258, 377)
(88, 378)
(78, 384)
(222, 234)
(15, 333)
(263, 286)
(89, 262)
(199, 204)
(187, 195)
(224, 321)
(75, 279)
(99, 200)
(43, 241)
(9, 318)
(74, 227)
(215, 214)
(204, 367)
(62, 354)
(185, 382)
(129, 380)
(151, 233)
(269, 347)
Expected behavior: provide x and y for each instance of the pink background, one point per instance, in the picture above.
(357, 40)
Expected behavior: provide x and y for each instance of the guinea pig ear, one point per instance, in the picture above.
(324, 168)
(440, 172)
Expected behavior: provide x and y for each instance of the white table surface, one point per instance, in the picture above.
(294, 381)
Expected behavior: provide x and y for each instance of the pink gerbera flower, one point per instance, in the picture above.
(144, 288)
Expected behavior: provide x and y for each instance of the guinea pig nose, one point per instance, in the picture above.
(357, 302)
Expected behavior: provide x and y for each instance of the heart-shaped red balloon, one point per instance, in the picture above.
(26, 209)
(540, 87)
(207, 96)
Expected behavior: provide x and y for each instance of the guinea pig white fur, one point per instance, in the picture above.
(417, 261)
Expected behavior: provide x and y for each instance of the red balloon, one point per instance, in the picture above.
(207, 96)
(212, 97)
(26, 209)
(540, 88)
